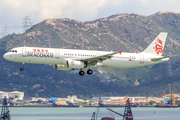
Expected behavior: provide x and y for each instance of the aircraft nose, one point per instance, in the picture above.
(9, 56)
(5, 56)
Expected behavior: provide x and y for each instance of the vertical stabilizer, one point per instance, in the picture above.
(157, 46)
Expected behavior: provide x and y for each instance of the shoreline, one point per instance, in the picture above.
(94, 106)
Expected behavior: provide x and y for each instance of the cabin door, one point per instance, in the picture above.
(141, 59)
(24, 52)
(57, 54)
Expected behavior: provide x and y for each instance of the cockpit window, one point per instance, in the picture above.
(13, 51)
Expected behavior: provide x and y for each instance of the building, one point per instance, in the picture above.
(3, 94)
(106, 98)
(61, 102)
(39, 98)
(118, 101)
(14, 94)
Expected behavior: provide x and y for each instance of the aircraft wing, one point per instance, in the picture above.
(157, 59)
(94, 60)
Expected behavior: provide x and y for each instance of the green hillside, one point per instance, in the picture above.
(127, 32)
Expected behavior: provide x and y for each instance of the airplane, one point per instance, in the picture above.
(70, 59)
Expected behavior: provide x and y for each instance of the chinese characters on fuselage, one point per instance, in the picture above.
(40, 53)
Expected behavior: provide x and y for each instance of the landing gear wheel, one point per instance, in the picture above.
(89, 72)
(21, 69)
(81, 73)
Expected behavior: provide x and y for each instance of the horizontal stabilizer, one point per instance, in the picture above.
(161, 58)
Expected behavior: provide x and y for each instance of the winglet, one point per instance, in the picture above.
(120, 52)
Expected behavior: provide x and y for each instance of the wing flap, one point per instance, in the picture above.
(94, 60)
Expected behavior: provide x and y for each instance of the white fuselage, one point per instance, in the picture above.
(60, 56)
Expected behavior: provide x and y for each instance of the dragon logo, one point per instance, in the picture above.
(158, 46)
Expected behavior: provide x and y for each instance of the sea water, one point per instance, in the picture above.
(85, 113)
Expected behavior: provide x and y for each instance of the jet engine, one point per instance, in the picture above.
(76, 64)
(62, 67)
(71, 65)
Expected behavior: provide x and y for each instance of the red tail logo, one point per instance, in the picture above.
(158, 46)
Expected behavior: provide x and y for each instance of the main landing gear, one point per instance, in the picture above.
(89, 72)
(81, 72)
(21, 69)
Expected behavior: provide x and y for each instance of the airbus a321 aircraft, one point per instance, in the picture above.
(70, 59)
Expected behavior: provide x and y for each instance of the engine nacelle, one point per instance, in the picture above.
(76, 64)
(62, 67)
(99, 64)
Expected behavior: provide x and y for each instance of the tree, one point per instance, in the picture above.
(152, 102)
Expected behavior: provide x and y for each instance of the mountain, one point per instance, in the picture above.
(127, 32)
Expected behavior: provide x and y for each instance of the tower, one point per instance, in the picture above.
(4, 31)
(127, 112)
(5, 111)
(26, 23)
(93, 116)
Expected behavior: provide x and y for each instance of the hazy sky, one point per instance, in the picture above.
(12, 12)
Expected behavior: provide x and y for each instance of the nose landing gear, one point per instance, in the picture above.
(21, 69)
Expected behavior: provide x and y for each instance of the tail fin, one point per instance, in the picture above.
(157, 46)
